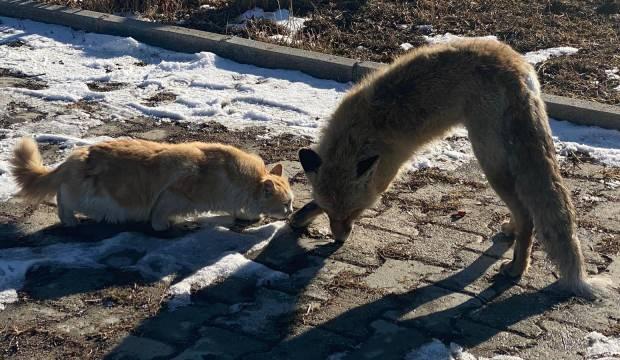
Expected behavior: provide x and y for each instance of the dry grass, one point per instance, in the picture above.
(167, 9)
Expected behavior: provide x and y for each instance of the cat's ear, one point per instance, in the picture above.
(277, 170)
(269, 188)
(310, 160)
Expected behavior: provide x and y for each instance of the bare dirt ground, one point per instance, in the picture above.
(374, 30)
(413, 270)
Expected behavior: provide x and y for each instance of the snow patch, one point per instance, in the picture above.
(601, 144)
(538, 56)
(449, 37)
(436, 350)
(444, 154)
(280, 17)
(67, 60)
(602, 347)
(406, 46)
(533, 57)
(208, 255)
(612, 74)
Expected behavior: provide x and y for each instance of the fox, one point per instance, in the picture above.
(482, 84)
(143, 181)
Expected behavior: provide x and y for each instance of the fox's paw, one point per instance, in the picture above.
(512, 270)
(508, 228)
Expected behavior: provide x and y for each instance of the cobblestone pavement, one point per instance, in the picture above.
(410, 272)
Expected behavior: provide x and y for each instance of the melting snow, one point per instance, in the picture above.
(448, 37)
(207, 87)
(533, 57)
(280, 17)
(406, 46)
(601, 347)
(538, 56)
(436, 350)
(207, 256)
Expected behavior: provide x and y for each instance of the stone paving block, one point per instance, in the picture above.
(592, 242)
(471, 272)
(291, 168)
(216, 343)
(139, 348)
(180, 325)
(440, 244)
(479, 211)
(261, 317)
(362, 246)
(485, 341)
(388, 341)
(542, 273)
(558, 341)
(319, 272)
(432, 308)
(302, 194)
(350, 312)
(397, 276)
(307, 343)
(595, 316)
(478, 219)
(394, 219)
(517, 310)
(605, 215)
(289, 251)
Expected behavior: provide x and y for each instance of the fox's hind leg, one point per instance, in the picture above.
(520, 226)
(65, 207)
(496, 167)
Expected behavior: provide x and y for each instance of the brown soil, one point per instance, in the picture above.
(273, 149)
(374, 30)
(160, 98)
(105, 86)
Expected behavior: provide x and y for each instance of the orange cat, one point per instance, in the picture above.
(137, 180)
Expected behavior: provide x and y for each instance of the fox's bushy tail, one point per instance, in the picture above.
(36, 182)
(541, 188)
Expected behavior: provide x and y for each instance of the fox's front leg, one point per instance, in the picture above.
(304, 216)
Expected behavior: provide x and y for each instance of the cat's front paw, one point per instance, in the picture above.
(160, 225)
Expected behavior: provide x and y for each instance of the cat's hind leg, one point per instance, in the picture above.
(66, 207)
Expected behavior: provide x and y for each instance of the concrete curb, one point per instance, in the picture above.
(262, 54)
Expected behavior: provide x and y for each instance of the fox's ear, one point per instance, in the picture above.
(309, 159)
(364, 167)
(277, 170)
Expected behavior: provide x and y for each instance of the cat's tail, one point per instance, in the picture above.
(36, 182)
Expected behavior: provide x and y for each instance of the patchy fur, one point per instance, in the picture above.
(137, 180)
(494, 92)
